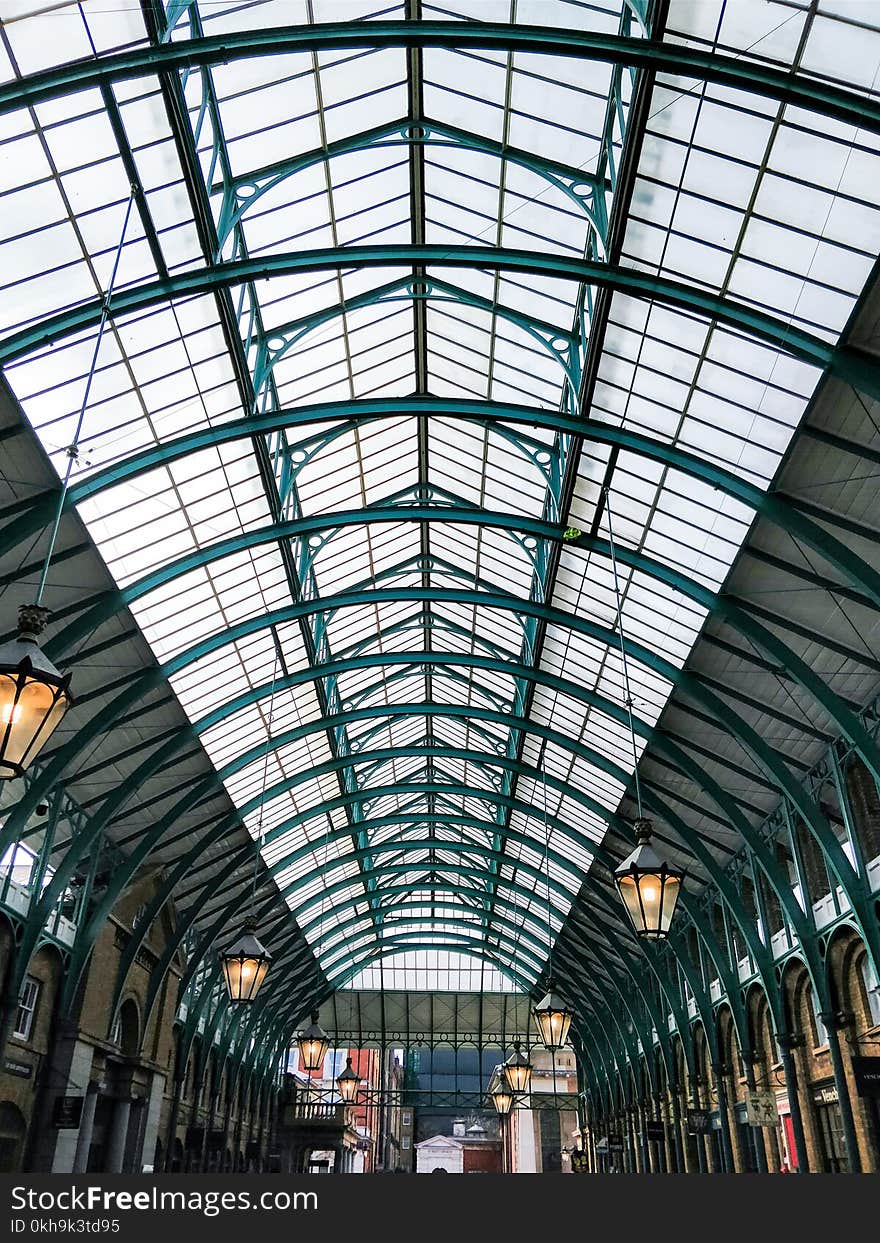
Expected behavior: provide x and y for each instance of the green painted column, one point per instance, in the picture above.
(749, 1059)
(728, 1164)
(833, 1027)
(786, 1043)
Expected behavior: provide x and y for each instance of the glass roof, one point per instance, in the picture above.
(368, 611)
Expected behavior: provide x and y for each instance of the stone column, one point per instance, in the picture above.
(71, 1067)
(151, 1127)
(133, 1159)
(118, 1134)
(86, 1130)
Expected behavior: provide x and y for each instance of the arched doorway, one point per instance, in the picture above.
(12, 1133)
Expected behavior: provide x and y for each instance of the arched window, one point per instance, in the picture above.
(125, 1032)
(818, 1026)
(871, 988)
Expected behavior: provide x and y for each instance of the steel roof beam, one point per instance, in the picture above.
(840, 712)
(752, 76)
(857, 367)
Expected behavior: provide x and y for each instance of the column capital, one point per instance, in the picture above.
(790, 1040)
(836, 1020)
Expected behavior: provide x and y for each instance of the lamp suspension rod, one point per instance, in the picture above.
(620, 633)
(73, 448)
(258, 851)
(547, 869)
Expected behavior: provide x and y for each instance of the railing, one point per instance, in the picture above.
(315, 1111)
(17, 899)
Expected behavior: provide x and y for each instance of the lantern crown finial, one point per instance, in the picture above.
(32, 619)
(644, 828)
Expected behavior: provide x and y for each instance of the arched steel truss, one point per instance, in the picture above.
(607, 972)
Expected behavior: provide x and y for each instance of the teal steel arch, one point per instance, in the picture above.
(517, 953)
(341, 885)
(628, 966)
(847, 722)
(585, 842)
(41, 511)
(560, 343)
(689, 839)
(768, 759)
(242, 191)
(776, 881)
(853, 365)
(752, 76)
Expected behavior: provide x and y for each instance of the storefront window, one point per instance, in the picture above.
(830, 1127)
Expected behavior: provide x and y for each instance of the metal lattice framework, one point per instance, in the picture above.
(407, 304)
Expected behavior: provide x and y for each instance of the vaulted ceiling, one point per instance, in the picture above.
(394, 357)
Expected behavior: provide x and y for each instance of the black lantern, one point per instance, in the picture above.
(649, 886)
(553, 1017)
(518, 1070)
(348, 1083)
(34, 696)
(245, 965)
(313, 1045)
(502, 1097)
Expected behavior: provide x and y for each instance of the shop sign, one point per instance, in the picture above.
(615, 1143)
(24, 1070)
(826, 1095)
(66, 1112)
(867, 1075)
(699, 1121)
(655, 1130)
(761, 1109)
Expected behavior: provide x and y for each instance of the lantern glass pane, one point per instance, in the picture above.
(671, 889)
(502, 1099)
(30, 710)
(519, 1076)
(244, 977)
(348, 1087)
(553, 1027)
(650, 899)
(312, 1051)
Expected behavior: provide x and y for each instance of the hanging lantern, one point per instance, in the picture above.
(34, 696)
(649, 886)
(313, 1045)
(518, 1070)
(348, 1083)
(502, 1097)
(553, 1017)
(245, 965)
